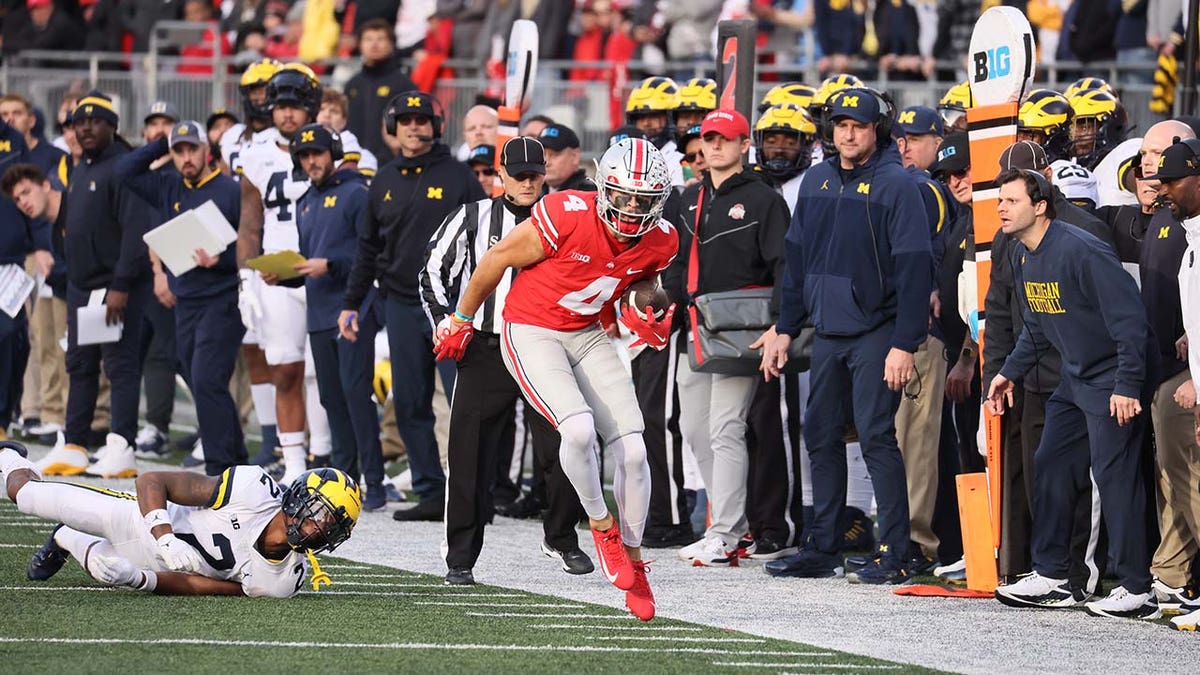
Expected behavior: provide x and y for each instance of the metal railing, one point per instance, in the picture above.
(137, 80)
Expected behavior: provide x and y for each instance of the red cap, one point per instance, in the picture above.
(34, 4)
(729, 123)
(88, 3)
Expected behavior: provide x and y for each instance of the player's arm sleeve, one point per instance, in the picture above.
(132, 170)
(771, 234)
(913, 267)
(1120, 303)
(445, 263)
(792, 310)
(999, 329)
(362, 272)
(547, 224)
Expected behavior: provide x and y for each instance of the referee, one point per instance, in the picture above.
(485, 394)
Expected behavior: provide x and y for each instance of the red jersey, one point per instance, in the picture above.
(585, 267)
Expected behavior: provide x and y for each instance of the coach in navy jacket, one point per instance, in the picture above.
(858, 263)
(208, 327)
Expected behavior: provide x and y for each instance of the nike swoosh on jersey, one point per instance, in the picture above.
(633, 271)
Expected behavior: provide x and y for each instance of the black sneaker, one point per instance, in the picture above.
(48, 559)
(428, 510)
(523, 508)
(884, 569)
(855, 563)
(919, 565)
(375, 499)
(460, 576)
(808, 563)
(668, 536)
(858, 531)
(769, 549)
(573, 562)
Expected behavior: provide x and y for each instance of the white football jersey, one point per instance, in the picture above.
(355, 152)
(1108, 183)
(269, 169)
(226, 533)
(1074, 181)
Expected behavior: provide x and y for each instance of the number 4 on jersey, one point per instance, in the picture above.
(591, 299)
(275, 196)
(574, 203)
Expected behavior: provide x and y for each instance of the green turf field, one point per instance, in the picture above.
(373, 619)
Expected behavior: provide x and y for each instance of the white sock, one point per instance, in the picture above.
(263, 396)
(75, 542)
(295, 458)
(10, 461)
(320, 437)
(631, 486)
(577, 456)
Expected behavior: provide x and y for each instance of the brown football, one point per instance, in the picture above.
(646, 292)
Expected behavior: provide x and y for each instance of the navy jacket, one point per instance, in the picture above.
(332, 217)
(858, 253)
(169, 195)
(18, 235)
(1078, 298)
(105, 224)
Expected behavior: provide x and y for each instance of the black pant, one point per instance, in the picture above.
(14, 355)
(410, 340)
(122, 364)
(946, 523)
(160, 362)
(344, 373)
(484, 397)
(210, 334)
(774, 504)
(658, 398)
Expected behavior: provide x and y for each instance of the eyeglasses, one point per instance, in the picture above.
(405, 120)
(484, 172)
(691, 156)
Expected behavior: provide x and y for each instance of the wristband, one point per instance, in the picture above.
(148, 583)
(462, 318)
(155, 518)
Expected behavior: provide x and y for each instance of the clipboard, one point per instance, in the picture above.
(176, 240)
(281, 264)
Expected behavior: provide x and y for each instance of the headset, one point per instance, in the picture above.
(883, 126)
(336, 150)
(436, 113)
(1192, 144)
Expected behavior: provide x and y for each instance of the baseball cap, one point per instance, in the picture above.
(627, 131)
(857, 104)
(729, 123)
(953, 156)
(219, 113)
(187, 132)
(482, 154)
(162, 109)
(558, 137)
(1180, 160)
(34, 4)
(919, 119)
(1024, 155)
(523, 154)
(314, 137)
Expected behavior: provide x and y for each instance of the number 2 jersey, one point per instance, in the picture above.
(226, 534)
(585, 267)
(269, 169)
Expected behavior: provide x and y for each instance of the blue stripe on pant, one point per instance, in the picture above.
(344, 372)
(208, 336)
(1073, 442)
(849, 371)
(14, 355)
(410, 340)
(122, 364)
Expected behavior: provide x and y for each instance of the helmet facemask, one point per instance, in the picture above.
(313, 522)
(633, 186)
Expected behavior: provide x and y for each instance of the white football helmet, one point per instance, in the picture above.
(633, 183)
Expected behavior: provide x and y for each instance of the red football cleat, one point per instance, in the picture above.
(614, 560)
(640, 599)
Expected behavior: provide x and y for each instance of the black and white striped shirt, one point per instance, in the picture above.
(457, 245)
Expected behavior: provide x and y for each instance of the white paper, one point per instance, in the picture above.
(176, 240)
(92, 327)
(15, 287)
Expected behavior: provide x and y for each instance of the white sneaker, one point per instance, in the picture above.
(150, 443)
(64, 460)
(1122, 604)
(1172, 600)
(45, 429)
(1187, 621)
(403, 481)
(710, 552)
(115, 460)
(1035, 590)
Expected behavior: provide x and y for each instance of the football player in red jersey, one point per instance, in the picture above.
(577, 252)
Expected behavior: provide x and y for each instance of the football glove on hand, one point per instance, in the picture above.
(650, 332)
(108, 568)
(451, 338)
(248, 305)
(178, 555)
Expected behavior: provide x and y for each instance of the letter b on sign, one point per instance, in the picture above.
(992, 63)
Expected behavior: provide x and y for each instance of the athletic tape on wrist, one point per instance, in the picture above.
(155, 518)
(149, 581)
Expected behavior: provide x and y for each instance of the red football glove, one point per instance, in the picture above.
(650, 332)
(451, 338)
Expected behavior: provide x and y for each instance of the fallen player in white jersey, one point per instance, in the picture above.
(183, 533)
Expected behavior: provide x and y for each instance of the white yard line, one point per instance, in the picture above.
(510, 615)
(685, 638)
(595, 627)
(803, 664)
(105, 589)
(386, 645)
(339, 566)
(18, 546)
(541, 605)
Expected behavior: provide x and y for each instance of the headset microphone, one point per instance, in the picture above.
(424, 139)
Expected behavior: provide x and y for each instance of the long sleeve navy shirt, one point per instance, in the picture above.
(331, 217)
(1079, 299)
